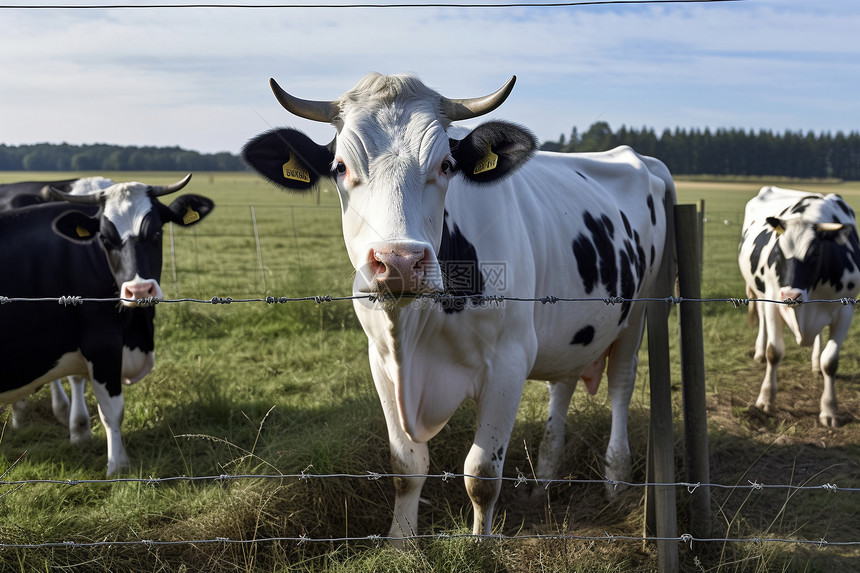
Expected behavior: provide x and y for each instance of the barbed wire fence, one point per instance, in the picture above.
(520, 480)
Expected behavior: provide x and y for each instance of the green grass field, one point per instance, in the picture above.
(269, 389)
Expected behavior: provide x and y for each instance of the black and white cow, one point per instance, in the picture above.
(108, 245)
(429, 208)
(74, 413)
(800, 246)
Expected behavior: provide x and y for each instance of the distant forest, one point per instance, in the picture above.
(730, 151)
(103, 157)
(686, 152)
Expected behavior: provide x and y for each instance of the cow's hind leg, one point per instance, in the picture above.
(60, 402)
(621, 376)
(817, 347)
(79, 416)
(552, 444)
(775, 350)
(761, 337)
(829, 365)
(19, 412)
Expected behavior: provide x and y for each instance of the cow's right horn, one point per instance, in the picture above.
(159, 190)
(461, 109)
(323, 111)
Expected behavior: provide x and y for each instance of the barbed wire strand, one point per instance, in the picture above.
(445, 477)
(435, 297)
(685, 538)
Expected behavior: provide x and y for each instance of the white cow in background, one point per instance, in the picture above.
(800, 246)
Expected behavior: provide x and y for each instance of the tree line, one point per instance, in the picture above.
(729, 151)
(104, 157)
(686, 152)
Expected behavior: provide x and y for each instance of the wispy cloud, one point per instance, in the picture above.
(198, 77)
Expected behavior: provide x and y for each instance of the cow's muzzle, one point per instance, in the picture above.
(400, 268)
(133, 291)
(794, 294)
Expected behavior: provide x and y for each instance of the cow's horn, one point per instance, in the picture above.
(90, 199)
(460, 109)
(159, 190)
(323, 111)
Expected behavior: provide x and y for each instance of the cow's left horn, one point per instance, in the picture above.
(159, 190)
(460, 109)
(323, 111)
(91, 199)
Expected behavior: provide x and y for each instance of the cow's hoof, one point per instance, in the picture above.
(79, 434)
(118, 467)
(767, 408)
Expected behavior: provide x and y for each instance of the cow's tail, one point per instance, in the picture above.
(670, 199)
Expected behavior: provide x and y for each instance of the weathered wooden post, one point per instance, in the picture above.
(660, 512)
(693, 368)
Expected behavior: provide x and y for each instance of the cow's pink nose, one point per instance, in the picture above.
(398, 269)
(140, 290)
(787, 293)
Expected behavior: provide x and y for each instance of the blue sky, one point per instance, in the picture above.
(198, 77)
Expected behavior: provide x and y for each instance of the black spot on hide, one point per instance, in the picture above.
(584, 336)
(461, 273)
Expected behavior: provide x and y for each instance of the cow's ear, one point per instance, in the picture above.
(493, 150)
(187, 210)
(288, 158)
(777, 225)
(76, 226)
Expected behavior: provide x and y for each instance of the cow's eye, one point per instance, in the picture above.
(340, 168)
(446, 168)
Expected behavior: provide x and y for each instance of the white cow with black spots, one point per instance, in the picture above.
(800, 246)
(430, 208)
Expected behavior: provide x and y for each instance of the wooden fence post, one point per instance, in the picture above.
(660, 512)
(693, 368)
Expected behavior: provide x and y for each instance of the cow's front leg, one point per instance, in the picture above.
(111, 411)
(79, 416)
(497, 410)
(775, 350)
(409, 459)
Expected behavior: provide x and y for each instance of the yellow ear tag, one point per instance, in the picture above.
(779, 230)
(488, 163)
(82, 233)
(296, 171)
(190, 216)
